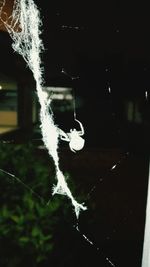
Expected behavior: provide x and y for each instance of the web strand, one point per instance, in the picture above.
(13, 177)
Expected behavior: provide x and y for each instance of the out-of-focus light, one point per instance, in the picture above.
(146, 95)
(57, 89)
(59, 93)
(1, 87)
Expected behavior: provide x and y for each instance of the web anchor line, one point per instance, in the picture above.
(12, 176)
(86, 238)
(90, 242)
(114, 166)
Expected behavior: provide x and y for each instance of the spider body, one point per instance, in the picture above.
(76, 142)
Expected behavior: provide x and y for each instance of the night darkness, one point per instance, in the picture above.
(104, 44)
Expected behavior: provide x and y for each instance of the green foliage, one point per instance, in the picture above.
(28, 222)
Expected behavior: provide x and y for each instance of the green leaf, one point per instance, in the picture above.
(15, 218)
(5, 212)
(47, 237)
(36, 232)
(24, 239)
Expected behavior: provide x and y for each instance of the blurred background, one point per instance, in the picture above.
(96, 64)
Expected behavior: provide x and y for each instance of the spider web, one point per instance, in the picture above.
(11, 25)
(24, 29)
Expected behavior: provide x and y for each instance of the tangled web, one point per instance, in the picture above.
(23, 27)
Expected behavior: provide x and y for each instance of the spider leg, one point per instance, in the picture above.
(72, 149)
(63, 136)
(81, 126)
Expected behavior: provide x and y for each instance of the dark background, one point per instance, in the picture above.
(101, 44)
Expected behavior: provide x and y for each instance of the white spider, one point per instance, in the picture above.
(76, 142)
